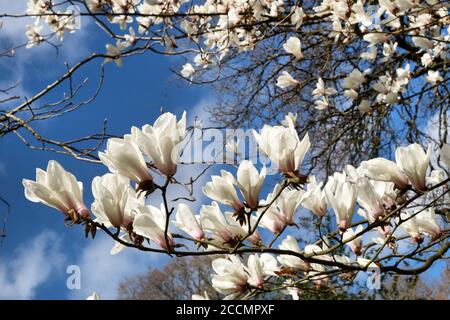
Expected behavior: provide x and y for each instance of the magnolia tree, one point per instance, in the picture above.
(362, 78)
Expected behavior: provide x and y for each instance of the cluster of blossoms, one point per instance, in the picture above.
(379, 190)
(217, 28)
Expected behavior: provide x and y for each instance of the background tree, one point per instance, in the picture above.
(178, 280)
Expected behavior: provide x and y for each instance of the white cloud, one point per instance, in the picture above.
(102, 272)
(31, 265)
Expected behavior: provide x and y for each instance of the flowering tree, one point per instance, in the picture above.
(362, 75)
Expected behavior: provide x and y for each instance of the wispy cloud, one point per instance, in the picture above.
(30, 266)
(102, 272)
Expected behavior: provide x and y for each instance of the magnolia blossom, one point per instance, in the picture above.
(314, 198)
(205, 296)
(387, 192)
(250, 182)
(221, 189)
(286, 80)
(414, 163)
(114, 52)
(187, 71)
(423, 222)
(297, 16)
(122, 156)
(289, 120)
(368, 198)
(283, 146)
(161, 142)
(384, 170)
(355, 243)
(259, 267)
(434, 77)
(230, 278)
(282, 211)
(34, 35)
(292, 261)
(115, 200)
(321, 90)
(57, 188)
(94, 296)
(213, 221)
(291, 289)
(150, 222)
(354, 79)
(293, 46)
(241, 231)
(186, 221)
(341, 196)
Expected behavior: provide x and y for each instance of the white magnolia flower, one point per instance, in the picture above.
(122, 156)
(230, 277)
(58, 189)
(187, 71)
(366, 263)
(291, 261)
(114, 52)
(368, 198)
(354, 79)
(434, 77)
(150, 222)
(293, 46)
(213, 221)
(161, 142)
(94, 296)
(375, 37)
(321, 90)
(94, 5)
(242, 230)
(289, 120)
(286, 80)
(297, 17)
(426, 59)
(221, 189)
(359, 15)
(314, 198)
(250, 182)
(371, 54)
(282, 211)
(364, 106)
(291, 289)
(341, 196)
(355, 244)
(118, 247)
(205, 296)
(321, 104)
(424, 222)
(283, 146)
(414, 163)
(384, 170)
(186, 221)
(259, 267)
(115, 200)
(34, 35)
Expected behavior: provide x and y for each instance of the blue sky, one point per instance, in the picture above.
(38, 247)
